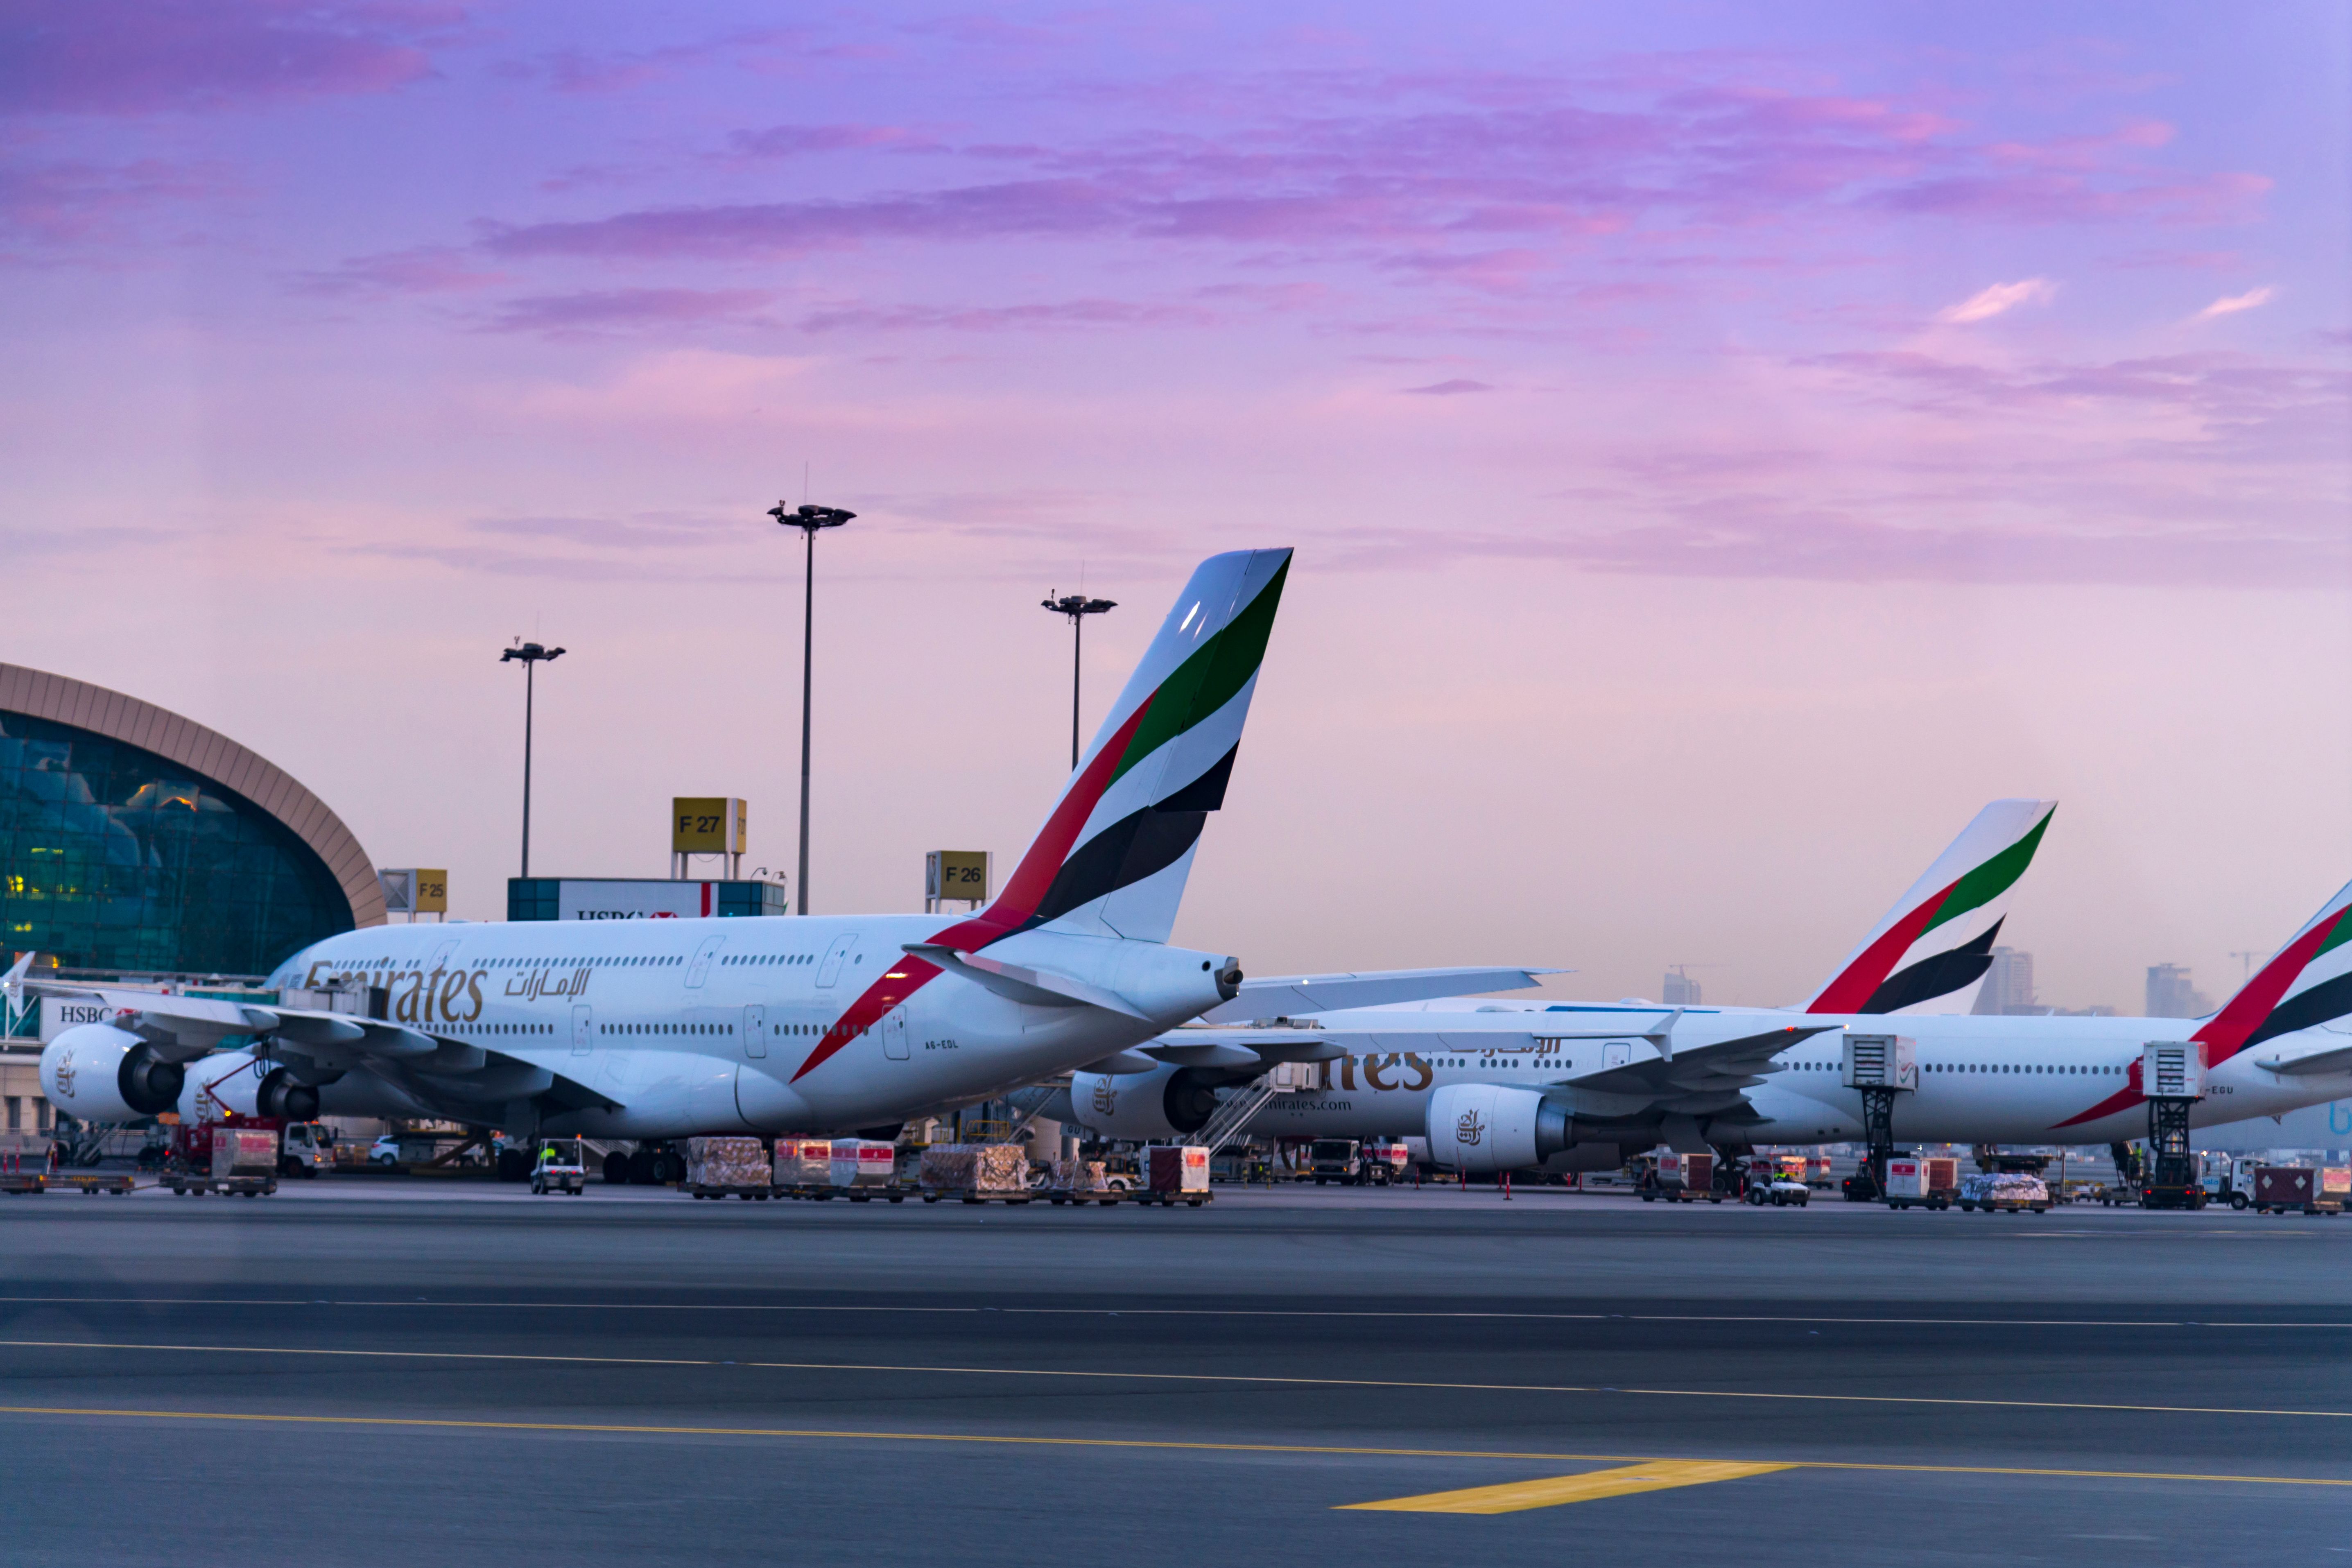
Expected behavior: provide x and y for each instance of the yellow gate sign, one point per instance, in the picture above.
(956, 874)
(707, 824)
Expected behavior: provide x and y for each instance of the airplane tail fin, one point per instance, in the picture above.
(1113, 856)
(2307, 981)
(1930, 952)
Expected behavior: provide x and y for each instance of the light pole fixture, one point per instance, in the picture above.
(808, 520)
(1077, 607)
(533, 656)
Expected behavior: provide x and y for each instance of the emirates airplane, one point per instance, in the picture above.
(1581, 1087)
(660, 1029)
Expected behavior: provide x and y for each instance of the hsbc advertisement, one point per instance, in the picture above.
(636, 901)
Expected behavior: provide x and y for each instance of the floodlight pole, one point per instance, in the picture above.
(1077, 607)
(531, 656)
(808, 520)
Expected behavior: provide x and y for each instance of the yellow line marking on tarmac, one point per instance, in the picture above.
(1177, 1377)
(1513, 1497)
(868, 1310)
(1027, 1440)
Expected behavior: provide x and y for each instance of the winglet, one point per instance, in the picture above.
(1663, 1035)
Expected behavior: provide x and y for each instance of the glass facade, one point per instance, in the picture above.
(111, 857)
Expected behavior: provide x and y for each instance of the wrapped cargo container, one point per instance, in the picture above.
(864, 1163)
(715, 1167)
(975, 1168)
(1179, 1171)
(803, 1162)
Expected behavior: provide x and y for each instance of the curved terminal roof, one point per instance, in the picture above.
(64, 700)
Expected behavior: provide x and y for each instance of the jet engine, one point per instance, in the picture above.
(99, 1073)
(1148, 1107)
(284, 1095)
(1493, 1127)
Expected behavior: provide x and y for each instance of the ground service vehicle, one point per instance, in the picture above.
(561, 1168)
(304, 1148)
(1335, 1160)
(218, 1157)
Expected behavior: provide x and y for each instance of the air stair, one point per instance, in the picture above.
(1232, 1114)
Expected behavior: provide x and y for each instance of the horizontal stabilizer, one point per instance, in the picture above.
(1038, 988)
(2318, 1062)
(1284, 996)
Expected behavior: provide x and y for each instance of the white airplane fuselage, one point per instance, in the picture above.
(744, 1025)
(1982, 1079)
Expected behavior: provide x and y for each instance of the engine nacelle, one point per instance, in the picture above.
(1493, 1127)
(280, 1095)
(99, 1073)
(1147, 1107)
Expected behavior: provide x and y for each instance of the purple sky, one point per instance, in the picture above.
(1725, 444)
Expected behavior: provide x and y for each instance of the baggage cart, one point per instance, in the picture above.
(1922, 1181)
(2298, 1189)
(1174, 1173)
(2004, 1192)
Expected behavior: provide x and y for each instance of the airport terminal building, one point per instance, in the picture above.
(136, 841)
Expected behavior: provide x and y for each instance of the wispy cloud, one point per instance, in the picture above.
(620, 308)
(1453, 388)
(2230, 304)
(2001, 298)
(147, 57)
(426, 269)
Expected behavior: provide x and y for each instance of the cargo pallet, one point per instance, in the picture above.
(897, 1194)
(721, 1192)
(16, 1183)
(1938, 1201)
(1132, 1195)
(227, 1187)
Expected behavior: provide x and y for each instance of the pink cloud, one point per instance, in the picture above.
(426, 269)
(1453, 388)
(791, 140)
(47, 205)
(620, 308)
(1002, 318)
(1752, 537)
(1341, 165)
(141, 56)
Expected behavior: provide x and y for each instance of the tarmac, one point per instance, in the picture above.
(399, 1370)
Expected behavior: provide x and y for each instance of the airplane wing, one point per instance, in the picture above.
(322, 1044)
(1697, 1080)
(1288, 995)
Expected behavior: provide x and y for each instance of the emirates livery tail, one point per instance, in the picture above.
(1113, 856)
(2308, 982)
(1930, 952)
